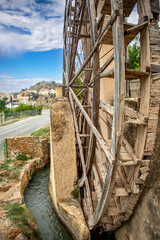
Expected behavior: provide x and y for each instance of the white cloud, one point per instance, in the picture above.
(133, 18)
(5, 76)
(28, 25)
(10, 84)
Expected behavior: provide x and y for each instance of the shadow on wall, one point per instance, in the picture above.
(144, 224)
(97, 235)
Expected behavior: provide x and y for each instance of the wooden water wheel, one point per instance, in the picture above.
(115, 132)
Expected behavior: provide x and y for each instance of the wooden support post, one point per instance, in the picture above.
(145, 85)
(119, 75)
(3, 118)
(96, 82)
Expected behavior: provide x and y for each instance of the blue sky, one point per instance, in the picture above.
(30, 42)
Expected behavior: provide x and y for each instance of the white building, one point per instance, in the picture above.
(12, 105)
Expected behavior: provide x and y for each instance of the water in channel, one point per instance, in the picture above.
(38, 201)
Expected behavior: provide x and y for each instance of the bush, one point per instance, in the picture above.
(39, 109)
(75, 192)
(77, 90)
(22, 157)
(134, 55)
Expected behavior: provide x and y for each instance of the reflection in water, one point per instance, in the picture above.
(38, 201)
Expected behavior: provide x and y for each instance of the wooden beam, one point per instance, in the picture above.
(107, 73)
(77, 39)
(82, 157)
(88, 69)
(130, 150)
(85, 36)
(98, 183)
(96, 83)
(104, 198)
(119, 76)
(108, 108)
(97, 43)
(132, 32)
(99, 138)
(107, 63)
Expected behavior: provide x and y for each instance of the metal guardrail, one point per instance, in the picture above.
(2, 152)
(1, 120)
(20, 114)
(7, 117)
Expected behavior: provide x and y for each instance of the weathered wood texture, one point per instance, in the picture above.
(112, 171)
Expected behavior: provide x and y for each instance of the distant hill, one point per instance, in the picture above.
(3, 95)
(45, 85)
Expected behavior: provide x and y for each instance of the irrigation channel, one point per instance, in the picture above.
(38, 201)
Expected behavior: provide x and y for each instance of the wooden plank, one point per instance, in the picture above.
(155, 68)
(129, 73)
(120, 192)
(124, 178)
(136, 122)
(130, 150)
(131, 33)
(128, 6)
(128, 112)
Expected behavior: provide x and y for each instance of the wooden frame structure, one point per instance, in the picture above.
(111, 171)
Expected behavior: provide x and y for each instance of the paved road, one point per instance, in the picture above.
(25, 127)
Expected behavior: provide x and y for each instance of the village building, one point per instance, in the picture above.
(12, 105)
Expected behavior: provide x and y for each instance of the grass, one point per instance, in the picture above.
(12, 169)
(5, 167)
(46, 107)
(42, 132)
(2, 179)
(21, 217)
(14, 174)
(9, 161)
(17, 214)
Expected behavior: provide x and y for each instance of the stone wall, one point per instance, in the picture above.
(58, 91)
(63, 170)
(145, 222)
(29, 145)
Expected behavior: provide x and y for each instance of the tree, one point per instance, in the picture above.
(134, 55)
(10, 99)
(39, 108)
(2, 105)
(5, 99)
